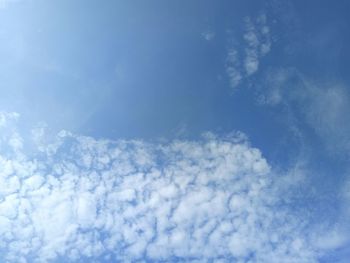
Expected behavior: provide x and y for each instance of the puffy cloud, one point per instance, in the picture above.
(233, 68)
(92, 200)
(257, 44)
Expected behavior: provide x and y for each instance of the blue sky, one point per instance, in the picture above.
(171, 131)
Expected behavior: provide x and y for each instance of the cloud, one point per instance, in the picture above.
(127, 200)
(208, 35)
(322, 109)
(256, 45)
(323, 106)
(232, 68)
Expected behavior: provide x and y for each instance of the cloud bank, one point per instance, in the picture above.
(80, 199)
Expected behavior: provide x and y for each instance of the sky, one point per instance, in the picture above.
(174, 131)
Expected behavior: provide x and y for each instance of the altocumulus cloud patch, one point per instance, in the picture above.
(81, 199)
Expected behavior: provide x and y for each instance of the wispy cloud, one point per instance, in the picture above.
(323, 106)
(208, 35)
(256, 44)
(85, 199)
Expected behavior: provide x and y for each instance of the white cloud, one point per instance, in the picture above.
(85, 199)
(251, 61)
(233, 68)
(256, 45)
